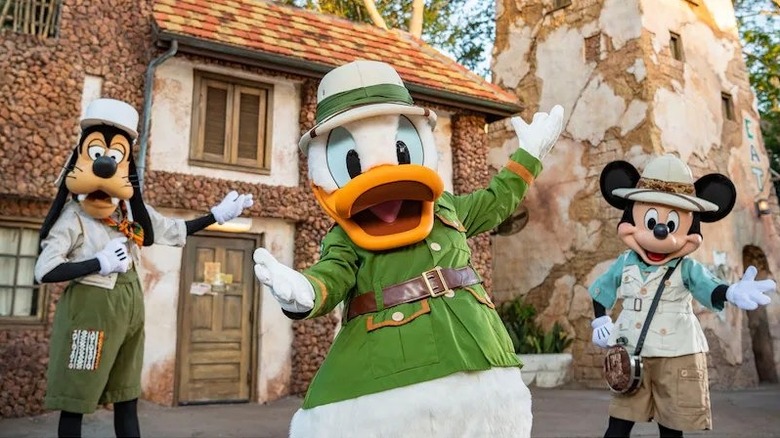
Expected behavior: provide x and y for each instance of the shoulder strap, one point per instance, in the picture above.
(654, 305)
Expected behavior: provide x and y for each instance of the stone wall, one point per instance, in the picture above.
(40, 101)
(609, 64)
(471, 172)
(41, 87)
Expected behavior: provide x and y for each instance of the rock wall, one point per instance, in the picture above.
(608, 62)
(40, 100)
(43, 86)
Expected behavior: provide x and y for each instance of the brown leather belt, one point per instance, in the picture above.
(433, 283)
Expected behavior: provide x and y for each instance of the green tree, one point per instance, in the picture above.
(759, 29)
(464, 29)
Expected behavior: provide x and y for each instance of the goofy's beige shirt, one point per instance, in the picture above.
(77, 236)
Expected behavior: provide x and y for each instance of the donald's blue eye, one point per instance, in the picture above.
(408, 144)
(343, 160)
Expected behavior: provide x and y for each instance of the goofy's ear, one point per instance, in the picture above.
(60, 200)
(617, 175)
(138, 207)
(719, 190)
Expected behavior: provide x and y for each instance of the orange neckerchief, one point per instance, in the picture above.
(133, 230)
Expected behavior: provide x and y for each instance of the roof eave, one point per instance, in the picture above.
(493, 110)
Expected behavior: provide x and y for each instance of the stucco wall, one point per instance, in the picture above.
(608, 63)
(160, 274)
(172, 122)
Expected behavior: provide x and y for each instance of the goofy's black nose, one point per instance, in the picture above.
(104, 167)
(660, 231)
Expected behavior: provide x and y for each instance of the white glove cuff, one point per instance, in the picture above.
(105, 266)
(220, 218)
(295, 307)
(600, 321)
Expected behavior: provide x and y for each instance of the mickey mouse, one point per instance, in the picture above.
(662, 213)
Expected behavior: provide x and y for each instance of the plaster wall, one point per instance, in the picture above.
(609, 64)
(160, 272)
(172, 123)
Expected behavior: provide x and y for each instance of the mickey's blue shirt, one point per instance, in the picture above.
(699, 281)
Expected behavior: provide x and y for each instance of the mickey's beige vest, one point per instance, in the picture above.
(674, 330)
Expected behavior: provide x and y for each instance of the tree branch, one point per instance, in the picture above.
(416, 21)
(374, 14)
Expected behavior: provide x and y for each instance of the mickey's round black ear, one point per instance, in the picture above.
(617, 175)
(719, 190)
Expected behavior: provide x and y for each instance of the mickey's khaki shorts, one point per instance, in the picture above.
(97, 346)
(674, 392)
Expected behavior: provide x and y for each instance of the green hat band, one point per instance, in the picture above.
(381, 93)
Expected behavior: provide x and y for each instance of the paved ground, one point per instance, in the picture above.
(557, 413)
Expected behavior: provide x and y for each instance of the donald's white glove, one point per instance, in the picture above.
(231, 207)
(113, 257)
(539, 137)
(602, 328)
(290, 288)
(748, 294)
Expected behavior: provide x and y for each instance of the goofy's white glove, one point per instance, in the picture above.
(114, 257)
(748, 294)
(539, 137)
(290, 288)
(602, 328)
(231, 207)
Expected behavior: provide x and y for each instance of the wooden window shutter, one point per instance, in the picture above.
(251, 126)
(215, 119)
(231, 123)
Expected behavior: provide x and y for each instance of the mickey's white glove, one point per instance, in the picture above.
(290, 288)
(748, 294)
(231, 207)
(602, 328)
(113, 257)
(539, 137)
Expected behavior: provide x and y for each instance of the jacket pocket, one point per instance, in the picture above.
(401, 338)
(663, 333)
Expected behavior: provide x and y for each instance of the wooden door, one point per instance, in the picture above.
(216, 328)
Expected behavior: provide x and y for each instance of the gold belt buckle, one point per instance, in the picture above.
(432, 289)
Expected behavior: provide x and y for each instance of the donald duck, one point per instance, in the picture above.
(422, 351)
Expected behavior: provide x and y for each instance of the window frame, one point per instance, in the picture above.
(33, 27)
(34, 321)
(585, 46)
(229, 160)
(675, 42)
(727, 106)
(560, 4)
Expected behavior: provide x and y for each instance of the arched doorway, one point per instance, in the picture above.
(758, 322)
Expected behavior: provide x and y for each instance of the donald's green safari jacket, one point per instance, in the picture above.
(430, 338)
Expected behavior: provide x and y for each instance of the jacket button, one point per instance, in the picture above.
(638, 325)
(398, 316)
(627, 279)
(684, 373)
(643, 291)
(663, 331)
(668, 283)
(435, 246)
